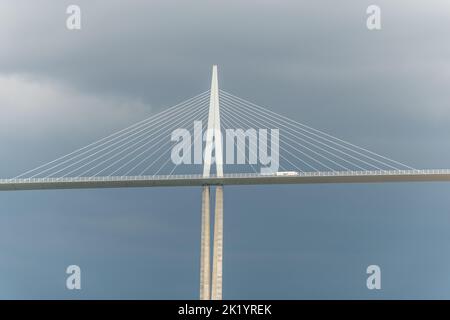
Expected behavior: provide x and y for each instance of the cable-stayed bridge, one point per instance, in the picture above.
(244, 142)
(140, 155)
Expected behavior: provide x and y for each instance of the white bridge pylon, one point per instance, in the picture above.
(213, 133)
(213, 142)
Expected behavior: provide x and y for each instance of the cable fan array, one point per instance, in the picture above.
(144, 149)
(301, 148)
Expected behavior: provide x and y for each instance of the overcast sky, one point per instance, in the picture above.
(314, 61)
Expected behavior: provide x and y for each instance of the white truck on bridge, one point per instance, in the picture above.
(286, 173)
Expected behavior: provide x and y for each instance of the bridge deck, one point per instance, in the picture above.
(228, 179)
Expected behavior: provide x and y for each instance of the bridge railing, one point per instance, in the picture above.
(226, 176)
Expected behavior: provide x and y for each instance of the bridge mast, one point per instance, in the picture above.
(213, 142)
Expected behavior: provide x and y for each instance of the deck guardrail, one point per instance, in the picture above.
(225, 177)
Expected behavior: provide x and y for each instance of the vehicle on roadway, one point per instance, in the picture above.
(286, 173)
